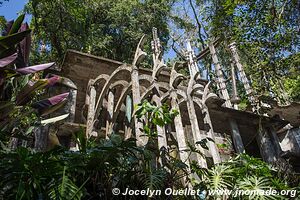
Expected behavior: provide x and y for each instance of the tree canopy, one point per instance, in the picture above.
(268, 36)
(266, 32)
(107, 28)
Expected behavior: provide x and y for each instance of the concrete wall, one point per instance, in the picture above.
(291, 141)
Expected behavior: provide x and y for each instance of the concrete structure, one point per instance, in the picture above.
(107, 91)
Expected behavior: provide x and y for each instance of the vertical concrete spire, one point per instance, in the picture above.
(242, 74)
(219, 74)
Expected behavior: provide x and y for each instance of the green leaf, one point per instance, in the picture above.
(27, 92)
(7, 73)
(65, 189)
(17, 24)
(147, 130)
(9, 41)
(29, 130)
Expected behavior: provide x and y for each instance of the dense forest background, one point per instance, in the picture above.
(267, 33)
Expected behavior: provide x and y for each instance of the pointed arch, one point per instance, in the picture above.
(123, 68)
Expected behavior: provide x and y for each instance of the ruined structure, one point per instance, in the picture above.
(107, 91)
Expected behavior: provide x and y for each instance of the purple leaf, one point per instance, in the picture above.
(58, 98)
(53, 80)
(8, 60)
(63, 81)
(47, 106)
(25, 44)
(46, 103)
(20, 59)
(33, 69)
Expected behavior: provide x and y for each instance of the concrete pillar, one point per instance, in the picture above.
(141, 140)
(162, 138)
(242, 74)
(110, 110)
(236, 137)
(235, 97)
(128, 130)
(275, 141)
(41, 138)
(91, 111)
(182, 146)
(220, 79)
(266, 147)
(210, 133)
(196, 132)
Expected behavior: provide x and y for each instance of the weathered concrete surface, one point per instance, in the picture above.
(80, 68)
(290, 141)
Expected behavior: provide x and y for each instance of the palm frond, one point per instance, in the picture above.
(65, 189)
(258, 187)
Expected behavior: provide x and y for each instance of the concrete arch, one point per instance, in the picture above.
(165, 96)
(176, 79)
(181, 93)
(146, 77)
(125, 92)
(148, 91)
(197, 90)
(163, 85)
(145, 80)
(104, 77)
(119, 82)
(198, 102)
(107, 86)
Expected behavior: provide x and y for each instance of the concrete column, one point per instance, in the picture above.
(41, 138)
(275, 141)
(110, 110)
(220, 79)
(141, 140)
(128, 130)
(73, 95)
(210, 133)
(162, 138)
(196, 132)
(182, 146)
(266, 147)
(91, 111)
(193, 68)
(242, 73)
(236, 137)
(235, 97)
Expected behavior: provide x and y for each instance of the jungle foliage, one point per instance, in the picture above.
(105, 28)
(103, 164)
(246, 173)
(21, 108)
(91, 172)
(267, 34)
